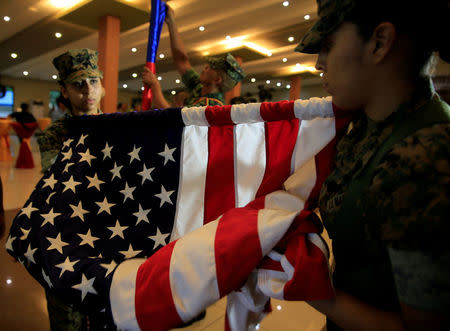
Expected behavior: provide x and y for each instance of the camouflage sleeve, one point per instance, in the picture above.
(191, 80)
(50, 143)
(411, 196)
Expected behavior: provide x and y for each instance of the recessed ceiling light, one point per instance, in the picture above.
(321, 74)
(253, 80)
(269, 54)
(26, 73)
(279, 307)
(159, 78)
(6, 18)
(173, 92)
(177, 81)
(134, 75)
(257, 327)
(267, 82)
(291, 39)
(306, 17)
(206, 53)
(284, 59)
(278, 84)
(288, 86)
(162, 56)
(125, 85)
(228, 37)
(14, 55)
(201, 28)
(58, 35)
(142, 88)
(55, 77)
(134, 49)
(9, 281)
(285, 3)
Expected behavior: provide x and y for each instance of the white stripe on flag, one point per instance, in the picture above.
(194, 116)
(302, 182)
(193, 278)
(314, 107)
(249, 160)
(191, 190)
(246, 113)
(122, 294)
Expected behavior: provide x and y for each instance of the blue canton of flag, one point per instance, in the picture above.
(110, 196)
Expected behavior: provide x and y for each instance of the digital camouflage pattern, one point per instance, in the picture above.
(76, 65)
(404, 210)
(233, 71)
(191, 80)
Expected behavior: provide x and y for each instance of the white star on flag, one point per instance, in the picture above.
(86, 286)
(48, 198)
(87, 239)
(130, 252)
(94, 182)
(116, 171)
(105, 206)
(117, 230)
(127, 192)
(67, 142)
(78, 211)
(25, 233)
(50, 182)
(167, 154)
(68, 165)
(159, 238)
(50, 217)
(82, 138)
(9, 243)
(87, 156)
(146, 174)
(28, 210)
(56, 243)
(164, 196)
(107, 151)
(67, 265)
(71, 184)
(47, 279)
(67, 155)
(134, 154)
(142, 215)
(109, 267)
(29, 254)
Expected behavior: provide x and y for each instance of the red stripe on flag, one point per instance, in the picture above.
(281, 137)
(276, 111)
(237, 248)
(219, 186)
(218, 115)
(155, 309)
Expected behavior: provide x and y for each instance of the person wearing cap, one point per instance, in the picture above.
(386, 205)
(220, 74)
(80, 84)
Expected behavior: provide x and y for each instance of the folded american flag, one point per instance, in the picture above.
(145, 219)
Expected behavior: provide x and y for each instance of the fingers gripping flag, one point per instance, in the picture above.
(145, 219)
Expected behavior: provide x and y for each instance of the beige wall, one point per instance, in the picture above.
(27, 90)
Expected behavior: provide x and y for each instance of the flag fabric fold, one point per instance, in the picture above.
(145, 219)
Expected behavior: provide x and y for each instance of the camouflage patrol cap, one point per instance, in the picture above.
(331, 14)
(233, 71)
(76, 65)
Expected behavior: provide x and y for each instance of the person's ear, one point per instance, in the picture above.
(382, 41)
(219, 80)
(103, 92)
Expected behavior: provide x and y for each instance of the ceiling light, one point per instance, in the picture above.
(228, 37)
(284, 59)
(9, 281)
(291, 39)
(288, 86)
(142, 88)
(201, 28)
(306, 17)
(267, 82)
(279, 307)
(55, 77)
(134, 49)
(125, 85)
(162, 56)
(206, 53)
(58, 35)
(6, 18)
(64, 3)
(14, 55)
(253, 80)
(269, 54)
(285, 3)
(177, 81)
(173, 92)
(159, 78)
(26, 73)
(278, 84)
(302, 68)
(257, 327)
(321, 74)
(134, 75)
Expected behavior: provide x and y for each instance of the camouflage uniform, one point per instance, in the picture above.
(233, 75)
(74, 65)
(386, 203)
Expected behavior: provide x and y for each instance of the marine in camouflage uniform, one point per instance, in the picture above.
(73, 66)
(233, 74)
(387, 202)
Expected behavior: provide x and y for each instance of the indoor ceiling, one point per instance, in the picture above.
(233, 25)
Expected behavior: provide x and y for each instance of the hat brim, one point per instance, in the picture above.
(82, 75)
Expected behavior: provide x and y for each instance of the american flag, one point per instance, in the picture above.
(147, 218)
